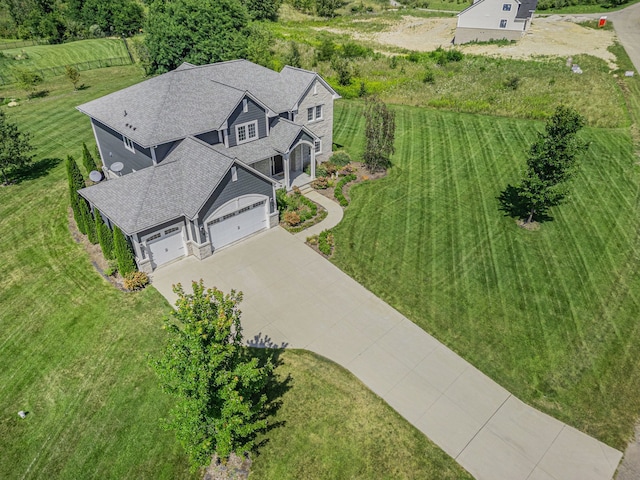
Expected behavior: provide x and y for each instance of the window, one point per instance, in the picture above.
(247, 132)
(153, 237)
(503, 24)
(128, 144)
(245, 105)
(506, 7)
(314, 113)
(171, 230)
(234, 174)
(317, 146)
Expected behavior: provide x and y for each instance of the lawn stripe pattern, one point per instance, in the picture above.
(549, 314)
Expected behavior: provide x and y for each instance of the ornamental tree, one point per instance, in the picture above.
(15, 149)
(552, 162)
(380, 130)
(219, 387)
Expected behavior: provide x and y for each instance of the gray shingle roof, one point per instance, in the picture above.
(195, 99)
(526, 9)
(177, 187)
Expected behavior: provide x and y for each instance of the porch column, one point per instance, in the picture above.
(286, 171)
(313, 162)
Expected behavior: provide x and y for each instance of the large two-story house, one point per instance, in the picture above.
(192, 158)
(487, 20)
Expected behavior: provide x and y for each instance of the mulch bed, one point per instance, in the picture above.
(236, 468)
(362, 175)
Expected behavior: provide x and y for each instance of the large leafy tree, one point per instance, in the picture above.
(219, 387)
(263, 9)
(195, 31)
(380, 131)
(15, 149)
(552, 162)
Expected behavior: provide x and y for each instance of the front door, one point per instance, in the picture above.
(277, 167)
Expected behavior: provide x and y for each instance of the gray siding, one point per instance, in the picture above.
(163, 150)
(254, 112)
(303, 136)
(211, 138)
(248, 183)
(112, 150)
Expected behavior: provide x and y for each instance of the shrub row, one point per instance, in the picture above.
(338, 190)
(326, 242)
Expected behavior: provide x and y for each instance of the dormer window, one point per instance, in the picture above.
(128, 144)
(246, 132)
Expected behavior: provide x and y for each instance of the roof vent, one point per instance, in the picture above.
(125, 113)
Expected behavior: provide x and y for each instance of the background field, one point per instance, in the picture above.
(551, 315)
(74, 350)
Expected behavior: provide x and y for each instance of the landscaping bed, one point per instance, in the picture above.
(297, 212)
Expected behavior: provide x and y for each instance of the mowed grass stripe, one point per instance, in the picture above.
(541, 312)
(47, 56)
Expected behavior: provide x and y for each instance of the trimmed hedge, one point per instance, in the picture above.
(338, 190)
(123, 253)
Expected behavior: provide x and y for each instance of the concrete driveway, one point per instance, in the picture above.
(295, 298)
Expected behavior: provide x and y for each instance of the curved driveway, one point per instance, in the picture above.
(293, 297)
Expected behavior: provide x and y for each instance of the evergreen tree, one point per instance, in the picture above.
(122, 252)
(88, 220)
(76, 182)
(105, 236)
(219, 387)
(87, 159)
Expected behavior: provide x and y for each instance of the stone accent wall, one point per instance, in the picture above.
(199, 251)
(322, 128)
(274, 219)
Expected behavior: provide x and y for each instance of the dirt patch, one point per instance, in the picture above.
(556, 35)
(236, 468)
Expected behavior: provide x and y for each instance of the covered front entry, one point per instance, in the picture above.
(165, 246)
(237, 219)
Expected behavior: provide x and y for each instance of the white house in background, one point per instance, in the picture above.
(488, 20)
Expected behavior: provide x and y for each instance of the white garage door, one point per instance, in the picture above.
(165, 246)
(236, 220)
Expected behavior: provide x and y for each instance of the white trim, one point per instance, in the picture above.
(128, 144)
(313, 113)
(153, 155)
(317, 146)
(248, 137)
(234, 173)
(245, 105)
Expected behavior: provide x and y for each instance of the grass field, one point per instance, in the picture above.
(46, 56)
(73, 350)
(476, 84)
(551, 315)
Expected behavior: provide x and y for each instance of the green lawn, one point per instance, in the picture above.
(73, 350)
(551, 315)
(46, 56)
